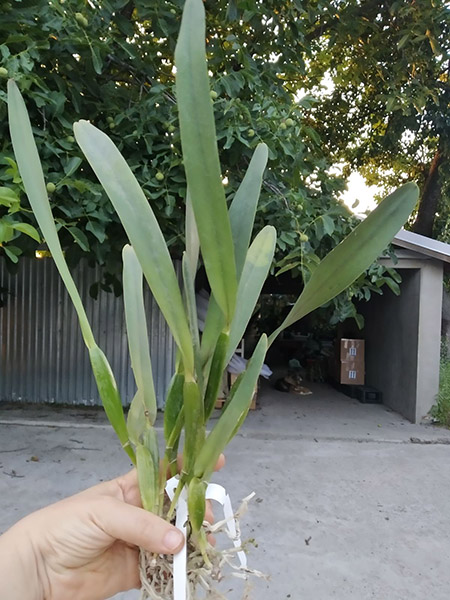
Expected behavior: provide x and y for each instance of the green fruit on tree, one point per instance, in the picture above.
(173, 11)
(171, 128)
(283, 125)
(304, 237)
(290, 122)
(112, 125)
(70, 139)
(81, 19)
(51, 187)
(159, 176)
(213, 94)
(3, 72)
(251, 133)
(109, 119)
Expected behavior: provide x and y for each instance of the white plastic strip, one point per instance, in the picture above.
(179, 560)
(213, 492)
(219, 494)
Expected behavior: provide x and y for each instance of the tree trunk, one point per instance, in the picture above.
(429, 200)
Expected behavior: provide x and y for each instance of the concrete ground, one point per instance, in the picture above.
(351, 499)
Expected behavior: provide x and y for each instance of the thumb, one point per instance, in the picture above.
(139, 527)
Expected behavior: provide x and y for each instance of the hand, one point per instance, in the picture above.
(85, 547)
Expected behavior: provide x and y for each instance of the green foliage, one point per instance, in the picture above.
(201, 162)
(384, 108)
(441, 410)
(114, 66)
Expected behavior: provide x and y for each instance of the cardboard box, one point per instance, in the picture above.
(352, 373)
(348, 366)
(351, 350)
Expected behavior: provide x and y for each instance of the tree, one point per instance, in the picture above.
(112, 63)
(386, 113)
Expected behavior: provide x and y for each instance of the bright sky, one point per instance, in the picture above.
(358, 190)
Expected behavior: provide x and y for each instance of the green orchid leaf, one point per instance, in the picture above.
(192, 240)
(137, 423)
(201, 158)
(148, 478)
(138, 341)
(142, 229)
(32, 175)
(345, 263)
(33, 179)
(173, 420)
(189, 292)
(218, 365)
(193, 425)
(243, 207)
(196, 504)
(223, 430)
(174, 404)
(234, 389)
(214, 325)
(110, 397)
(255, 271)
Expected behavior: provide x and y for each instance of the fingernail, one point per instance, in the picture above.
(173, 539)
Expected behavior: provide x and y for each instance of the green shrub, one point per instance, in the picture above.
(441, 410)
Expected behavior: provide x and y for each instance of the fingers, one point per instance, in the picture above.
(129, 488)
(136, 526)
(220, 463)
(151, 529)
(209, 515)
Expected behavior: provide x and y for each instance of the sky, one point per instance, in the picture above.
(358, 190)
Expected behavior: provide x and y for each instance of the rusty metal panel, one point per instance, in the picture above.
(43, 356)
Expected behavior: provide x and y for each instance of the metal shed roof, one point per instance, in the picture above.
(423, 245)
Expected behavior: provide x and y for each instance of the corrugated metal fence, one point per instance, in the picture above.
(43, 357)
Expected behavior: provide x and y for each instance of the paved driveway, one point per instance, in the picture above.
(351, 500)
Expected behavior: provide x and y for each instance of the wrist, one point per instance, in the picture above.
(19, 566)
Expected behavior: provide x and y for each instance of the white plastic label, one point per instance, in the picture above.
(213, 492)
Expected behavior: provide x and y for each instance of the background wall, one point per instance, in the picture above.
(391, 333)
(403, 339)
(43, 357)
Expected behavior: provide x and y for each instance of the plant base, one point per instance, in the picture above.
(156, 570)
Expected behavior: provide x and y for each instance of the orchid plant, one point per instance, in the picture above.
(219, 236)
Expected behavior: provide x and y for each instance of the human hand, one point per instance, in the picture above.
(85, 547)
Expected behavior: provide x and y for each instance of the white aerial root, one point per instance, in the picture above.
(156, 570)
